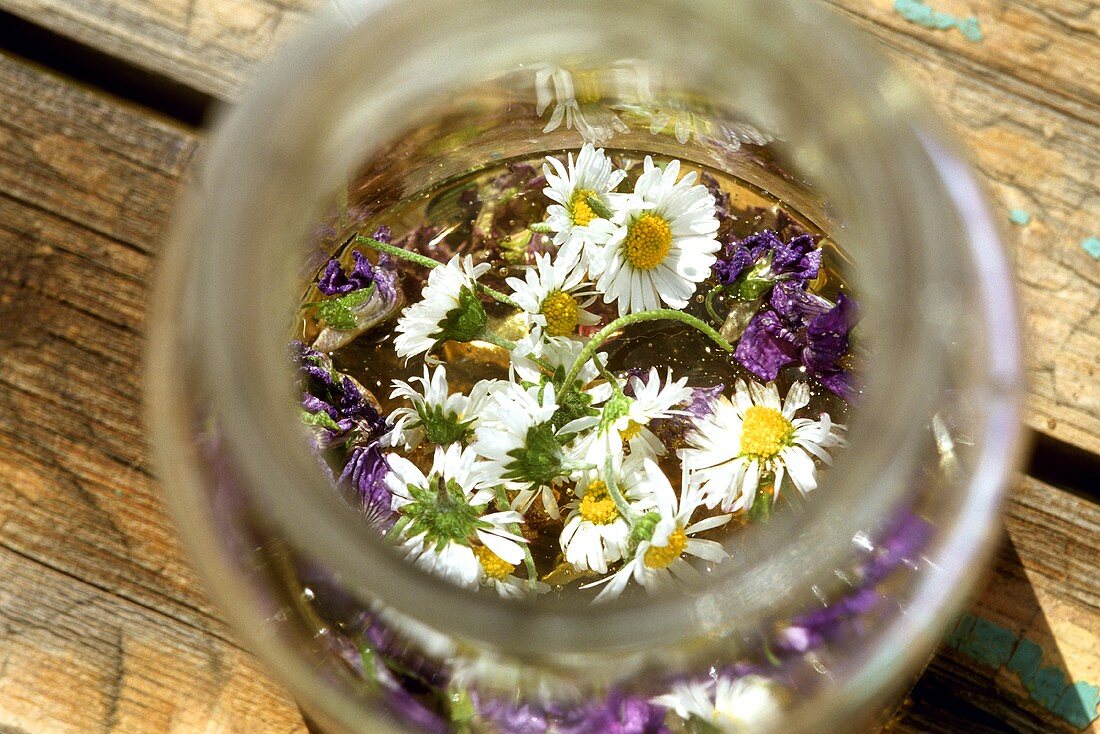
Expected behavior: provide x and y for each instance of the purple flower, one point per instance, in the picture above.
(508, 716)
(800, 327)
(335, 281)
(337, 395)
(763, 258)
(365, 475)
(619, 713)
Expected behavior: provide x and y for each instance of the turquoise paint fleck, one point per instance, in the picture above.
(1091, 245)
(1019, 216)
(1047, 686)
(1077, 703)
(969, 28)
(1026, 661)
(915, 11)
(997, 646)
(961, 631)
(989, 643)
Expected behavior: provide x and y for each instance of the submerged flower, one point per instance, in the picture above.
(364, 475)
(664, 244)
(333, 403)
(728, 704)
(595, 533)
(582, 195)
(800, 327)
(449, 309)
(523, 448)
(760, 260)
(434, 415)
(662, 536)
(584, 111)
(443, 516)
(554, 297)
(731, 450)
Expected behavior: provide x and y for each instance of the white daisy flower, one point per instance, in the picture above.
(578, 229)
(496, 573)
(595, 534)
(534, 357)
(443, 516)
(730, 450)
(664, 243)
(554, 297)
(451, 291)
(524, 450)
(663, 533)
(730, 705)
(624, 421)
(584, 111)
(434, 414)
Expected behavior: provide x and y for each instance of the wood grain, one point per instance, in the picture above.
(1043, 589)
(76, 659)
(101, 616)
(1026, 100)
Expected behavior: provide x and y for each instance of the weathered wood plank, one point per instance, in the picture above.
(1032, 634)
(97, 601)
(1047, 50)
(1047, 162)
(74, 658)
(209, 45)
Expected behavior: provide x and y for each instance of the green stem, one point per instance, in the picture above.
(611, 379)
(658, 314)
(427, 262)
(496, 340)
(616, 496)
(528, 560)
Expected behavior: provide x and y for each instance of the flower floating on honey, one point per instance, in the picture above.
(664, 243)
(580, 217)
(443, 516)
(756, 438)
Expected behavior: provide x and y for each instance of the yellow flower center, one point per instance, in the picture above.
(596, 506)
(493, 565)
(765, 432)
(562, 313)
(633, 428)
(579, 210)
(662, 556)
(647, 242)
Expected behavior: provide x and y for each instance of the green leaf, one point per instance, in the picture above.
(320, 418)
(338, 313)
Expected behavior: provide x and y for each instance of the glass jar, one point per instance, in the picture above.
(842, 603)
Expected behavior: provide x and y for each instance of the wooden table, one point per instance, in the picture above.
(103, 625)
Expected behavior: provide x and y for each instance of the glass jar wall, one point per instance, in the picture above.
(823, 612)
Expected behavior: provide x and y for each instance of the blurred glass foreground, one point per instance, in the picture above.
(824, 616)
